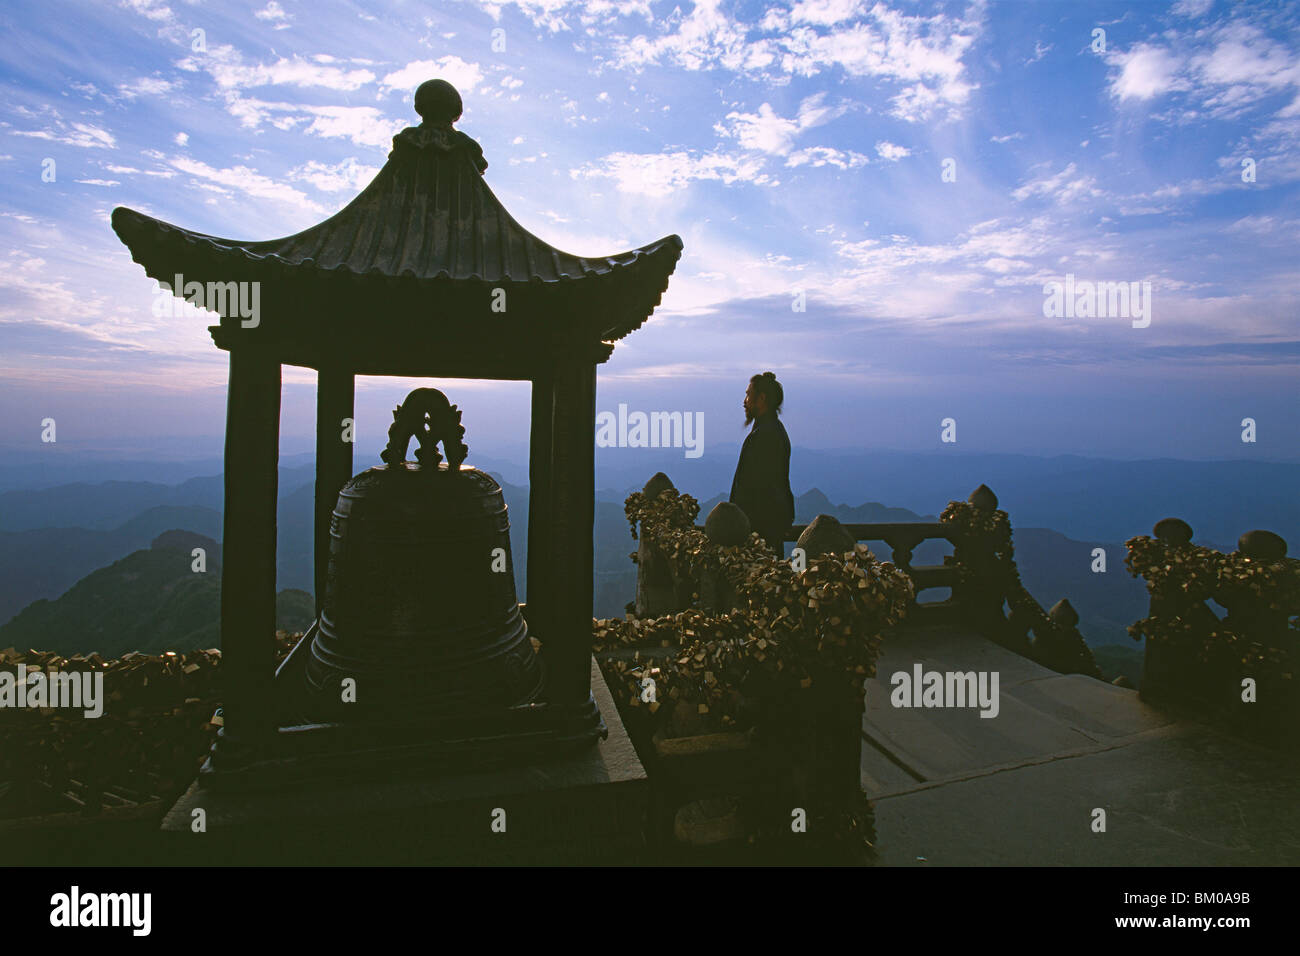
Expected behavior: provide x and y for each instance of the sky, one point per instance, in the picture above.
(914, 176)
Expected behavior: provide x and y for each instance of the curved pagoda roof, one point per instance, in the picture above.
(420, 251)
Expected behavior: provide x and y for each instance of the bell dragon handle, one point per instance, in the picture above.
(427, 416)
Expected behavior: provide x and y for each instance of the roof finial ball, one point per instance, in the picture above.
(438, 103)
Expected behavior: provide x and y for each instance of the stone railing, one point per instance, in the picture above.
(986, 591)
(743, 677)
(1236, 670)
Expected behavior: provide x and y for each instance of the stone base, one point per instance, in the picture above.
(583, 807)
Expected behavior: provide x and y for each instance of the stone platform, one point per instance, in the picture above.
(586, 807)
(1020, 789)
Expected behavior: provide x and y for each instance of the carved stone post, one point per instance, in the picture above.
(726, 526)
(1249, 613)
(825, 535)
(1170, 672)
(1060, 646)
(982, 590)
(1260, 621)
(656, 592)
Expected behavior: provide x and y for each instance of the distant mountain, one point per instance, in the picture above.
(59, 464)
(295, 538)
(1053, 566)
(814, 502)
(1085, 498)
(101, 506)
(66, 466)
(1088, 499)
(150, 601)
(106, 505)
(45, 562)
(1053, 504)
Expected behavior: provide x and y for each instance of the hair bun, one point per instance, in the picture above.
(769, 375)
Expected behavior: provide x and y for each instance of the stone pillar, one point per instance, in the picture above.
(1060, 646)
(1260, 619)
(656, 592)
(248, 555)
(567, 639)
(335, 398)
(831, 721)
(1249, 613)
(539, 505)
(982, 590)
(825, 535)
(1170, 672)
(726, 526)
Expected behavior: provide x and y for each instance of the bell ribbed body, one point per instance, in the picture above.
(420, 605)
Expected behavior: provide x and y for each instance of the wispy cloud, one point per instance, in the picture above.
(916, 170)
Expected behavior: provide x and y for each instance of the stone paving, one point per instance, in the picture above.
(953, 788)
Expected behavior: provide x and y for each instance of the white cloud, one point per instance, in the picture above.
(706, 37)
(460, 74)
(550, 14)
(768, 132)
(825, 12)
(274, 13)
(764, 131)
(924, 52)
(658, 174)
(1065, 187)
(826, 156)
(133, 171)
(1145, 71)
(1265, 226)
(349, 175)
(226, 66)
(1225, 69)
(182, 139)
(1004, 266)
(146, 86)
(1244, 55)
(889, 151)
(363, 125)
(77, 134)
(247, 181)
(152, 9)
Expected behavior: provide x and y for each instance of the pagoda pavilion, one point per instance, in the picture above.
(423, 274)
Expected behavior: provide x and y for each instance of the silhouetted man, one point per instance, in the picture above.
(762, 484)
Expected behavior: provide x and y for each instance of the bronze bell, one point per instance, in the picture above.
(420, 606)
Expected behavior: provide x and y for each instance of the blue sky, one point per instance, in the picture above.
(794, 147)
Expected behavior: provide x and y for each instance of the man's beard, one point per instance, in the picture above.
(749, 417)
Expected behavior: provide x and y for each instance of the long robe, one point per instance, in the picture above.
(761, 487)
